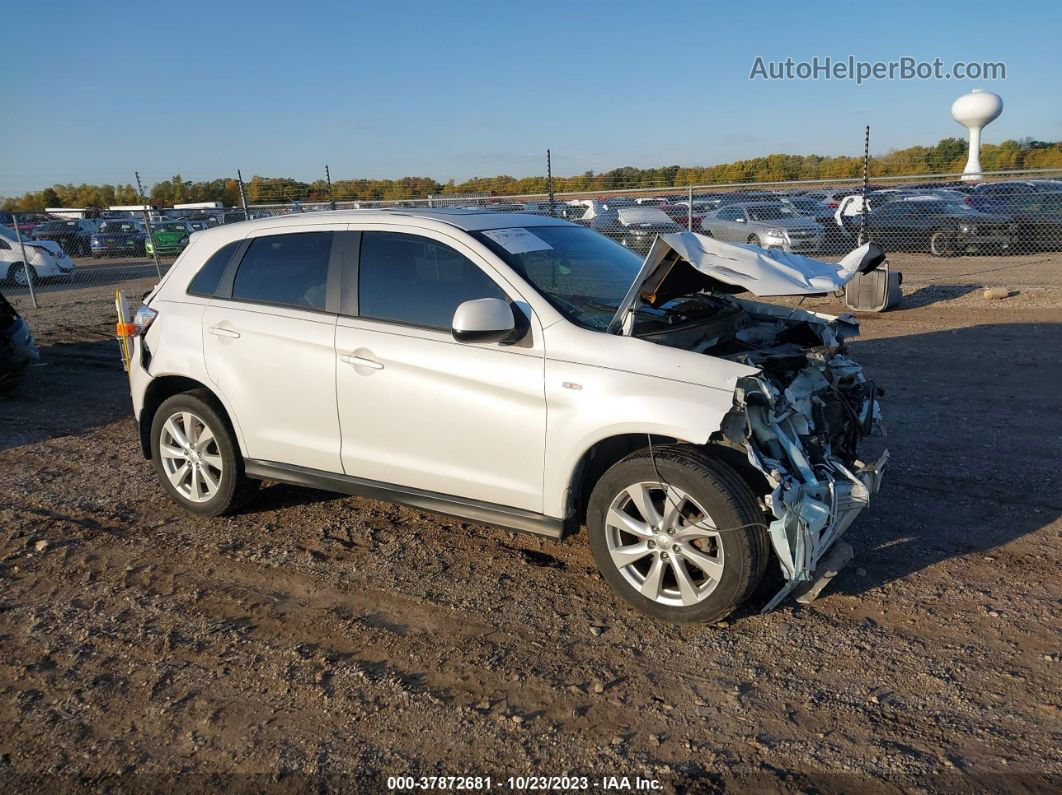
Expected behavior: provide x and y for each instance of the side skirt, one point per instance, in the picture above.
(484, 512)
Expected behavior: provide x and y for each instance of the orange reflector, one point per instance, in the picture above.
(125, 329)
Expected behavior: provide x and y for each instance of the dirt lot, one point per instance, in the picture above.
(316, 640)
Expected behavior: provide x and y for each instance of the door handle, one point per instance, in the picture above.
(221, 331)
(360, 361)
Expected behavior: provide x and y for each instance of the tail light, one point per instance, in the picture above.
(142, 321)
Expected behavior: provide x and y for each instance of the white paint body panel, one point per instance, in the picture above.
(279, 377)
(620, 385)
(465, 419)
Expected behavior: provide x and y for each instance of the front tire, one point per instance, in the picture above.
(196, 456)
(680, 538)
(753, 240)
(942, 243)
(18, 275)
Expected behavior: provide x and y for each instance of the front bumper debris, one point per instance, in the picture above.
(810, 526)
(817, 487)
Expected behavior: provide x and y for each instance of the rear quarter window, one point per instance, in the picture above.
(206, 282)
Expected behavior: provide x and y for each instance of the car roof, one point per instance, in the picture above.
(466, 219)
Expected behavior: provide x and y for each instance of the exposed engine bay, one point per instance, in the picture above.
(800, 419)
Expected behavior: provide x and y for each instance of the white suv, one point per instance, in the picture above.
(521, 371)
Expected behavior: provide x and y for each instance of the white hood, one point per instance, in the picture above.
(685, 259)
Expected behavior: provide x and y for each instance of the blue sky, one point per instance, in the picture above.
(460, 89)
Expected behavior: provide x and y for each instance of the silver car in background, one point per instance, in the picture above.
(766, 224)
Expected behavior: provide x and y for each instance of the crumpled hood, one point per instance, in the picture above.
(684, 262)
(48, 246)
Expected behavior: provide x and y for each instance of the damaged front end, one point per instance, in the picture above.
(801, 416)
(800, 421)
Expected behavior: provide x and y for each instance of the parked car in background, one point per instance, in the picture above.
(941, 227)
(591, 208)
(119, 237)
(831, 198)
(765, 224)
(46, 259)
(1037, 220)
(994, 197)
(836, 238)
(950, 194)
(679, 211)
(18, 350)
(168, 237)
(72, 235)
(27, 221)
(746, 196)
(634, 227)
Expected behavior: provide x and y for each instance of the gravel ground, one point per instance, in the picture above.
(317, 640)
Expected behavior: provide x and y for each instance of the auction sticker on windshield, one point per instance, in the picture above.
(517, 241)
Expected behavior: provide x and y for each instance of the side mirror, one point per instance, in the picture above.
(483, 320)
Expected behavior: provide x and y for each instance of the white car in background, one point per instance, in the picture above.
(46, 259)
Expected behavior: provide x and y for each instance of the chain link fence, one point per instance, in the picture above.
(73, 258)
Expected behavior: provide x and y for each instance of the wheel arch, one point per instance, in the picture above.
(606, 452)
(166, 386)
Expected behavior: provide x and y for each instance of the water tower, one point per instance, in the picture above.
(973, 111)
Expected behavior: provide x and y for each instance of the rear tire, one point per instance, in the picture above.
(671, 565)
(197, 457)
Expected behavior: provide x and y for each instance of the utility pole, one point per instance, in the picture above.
(549, 185)
(331, 198)
(866, 175)
(243, 195)
(147, 222)
(26, 269)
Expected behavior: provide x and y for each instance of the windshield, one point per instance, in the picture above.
(117, 226)
(585, 275)
(771, 212)
(55, 226)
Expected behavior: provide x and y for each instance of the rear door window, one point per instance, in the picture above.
(290, 270)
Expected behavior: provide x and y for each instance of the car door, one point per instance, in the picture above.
(725, 222)
(739, 228)
(269, 344)
(419, 409)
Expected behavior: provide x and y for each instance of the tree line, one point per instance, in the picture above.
(946, 156)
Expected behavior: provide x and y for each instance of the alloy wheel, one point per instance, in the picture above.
(20, 275)
(664, 544)
(190, 456)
